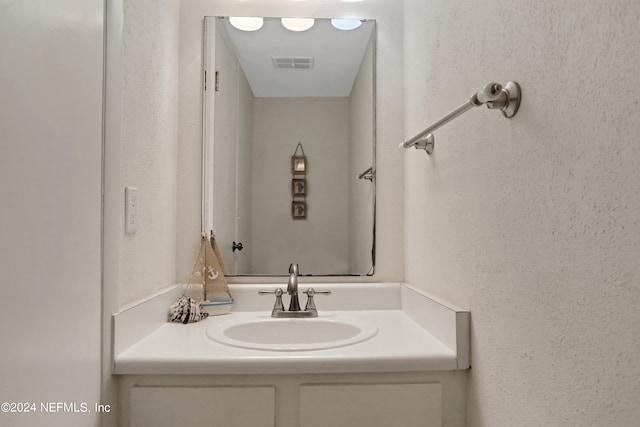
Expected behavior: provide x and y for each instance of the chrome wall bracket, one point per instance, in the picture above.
(426, 143)
(368, 174)
(509, 100)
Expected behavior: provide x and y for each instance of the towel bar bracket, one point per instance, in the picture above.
(368, 174)
(511, 102)
(426, 143)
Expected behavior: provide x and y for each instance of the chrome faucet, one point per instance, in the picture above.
(310, 309)
(292, 288)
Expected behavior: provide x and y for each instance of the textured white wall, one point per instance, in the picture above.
(50, 208)
(148, 146)
(532, 223)
(389, 109)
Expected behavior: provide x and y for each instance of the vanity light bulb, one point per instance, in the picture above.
(298, 24)
(245, 23)
(346, 24)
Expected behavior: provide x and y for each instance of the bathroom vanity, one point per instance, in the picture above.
(409, 369)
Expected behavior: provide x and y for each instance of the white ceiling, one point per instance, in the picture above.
(336, 57)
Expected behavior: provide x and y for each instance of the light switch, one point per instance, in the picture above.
(131, 210)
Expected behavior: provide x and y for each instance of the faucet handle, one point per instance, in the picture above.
(278, 306)
(311, 292)
(311, 306)
(276, 292)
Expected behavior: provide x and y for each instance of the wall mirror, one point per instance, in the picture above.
(274, 85)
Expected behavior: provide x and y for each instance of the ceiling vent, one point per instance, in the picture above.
(289, 62)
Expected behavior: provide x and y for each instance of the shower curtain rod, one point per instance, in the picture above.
(493, 95)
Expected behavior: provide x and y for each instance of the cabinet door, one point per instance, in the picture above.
(202, 406)
(371, 405)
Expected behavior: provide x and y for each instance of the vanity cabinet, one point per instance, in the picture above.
(418, 399)
(371, 405)
(202, 406)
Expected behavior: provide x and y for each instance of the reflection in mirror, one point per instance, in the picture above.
(268, 89)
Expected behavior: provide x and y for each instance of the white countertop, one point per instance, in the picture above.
(401, 345)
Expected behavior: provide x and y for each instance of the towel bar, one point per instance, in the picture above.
(493, 95)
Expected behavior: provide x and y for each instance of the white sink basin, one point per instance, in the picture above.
(260, 332)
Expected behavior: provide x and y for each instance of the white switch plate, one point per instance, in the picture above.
(130, 210)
